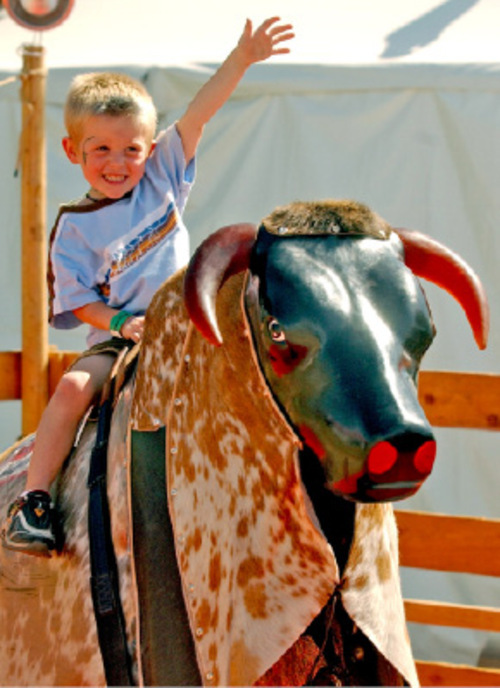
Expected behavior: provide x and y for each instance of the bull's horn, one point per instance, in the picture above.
(431, 260)
(222, 254)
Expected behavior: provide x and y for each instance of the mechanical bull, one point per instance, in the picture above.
(272, 416)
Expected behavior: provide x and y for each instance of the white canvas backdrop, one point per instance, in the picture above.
(416, 141)
(327, 31)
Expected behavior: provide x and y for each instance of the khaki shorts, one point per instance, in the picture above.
(110, 346)
(113, 346)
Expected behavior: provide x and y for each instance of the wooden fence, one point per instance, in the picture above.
(456, 544)
(427, 541)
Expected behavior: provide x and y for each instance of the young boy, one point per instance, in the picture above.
(112, 249)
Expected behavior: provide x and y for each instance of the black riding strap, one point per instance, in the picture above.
(104, 574)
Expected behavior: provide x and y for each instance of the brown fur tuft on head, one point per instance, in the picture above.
(343, 217)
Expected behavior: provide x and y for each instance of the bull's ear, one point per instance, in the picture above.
(222, 254)
(435, 262)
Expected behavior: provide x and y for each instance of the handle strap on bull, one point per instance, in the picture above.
(104, 573)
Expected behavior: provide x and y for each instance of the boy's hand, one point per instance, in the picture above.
(133, 328)
(260, 44)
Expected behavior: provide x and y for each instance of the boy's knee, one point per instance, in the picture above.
(75, 391)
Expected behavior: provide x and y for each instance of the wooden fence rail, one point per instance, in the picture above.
(457, 544)
(427, 541)
(467, 400)
(11, 365)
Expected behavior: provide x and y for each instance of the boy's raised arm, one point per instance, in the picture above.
(253, 46)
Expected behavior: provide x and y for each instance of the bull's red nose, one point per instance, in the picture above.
(381, 458)
(424, 457)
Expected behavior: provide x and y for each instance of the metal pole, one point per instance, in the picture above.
(35, 350)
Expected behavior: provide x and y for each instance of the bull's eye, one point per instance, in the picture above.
(276, 331)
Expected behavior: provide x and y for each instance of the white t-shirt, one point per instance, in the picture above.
(120, 252)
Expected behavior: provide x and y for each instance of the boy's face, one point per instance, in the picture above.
(112, 152)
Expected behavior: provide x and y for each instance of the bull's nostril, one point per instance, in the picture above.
(382, 458)
(424, 457)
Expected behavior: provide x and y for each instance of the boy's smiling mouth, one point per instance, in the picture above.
(114, 178)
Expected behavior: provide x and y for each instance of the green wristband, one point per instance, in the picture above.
(118, 321)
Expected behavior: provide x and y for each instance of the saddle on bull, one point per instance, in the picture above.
(252, 460)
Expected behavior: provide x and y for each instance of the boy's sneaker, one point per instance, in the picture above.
(30, 524)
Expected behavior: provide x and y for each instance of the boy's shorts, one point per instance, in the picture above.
(110, 346)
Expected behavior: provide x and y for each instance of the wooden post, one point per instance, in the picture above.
(35, 353)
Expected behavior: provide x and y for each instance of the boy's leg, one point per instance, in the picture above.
(29, 524)
(76, 391)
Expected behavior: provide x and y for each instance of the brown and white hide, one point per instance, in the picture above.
(255, 566)
(48, 634)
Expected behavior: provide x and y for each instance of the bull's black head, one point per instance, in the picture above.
(340, 324)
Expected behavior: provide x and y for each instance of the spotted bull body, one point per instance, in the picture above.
(281, 367)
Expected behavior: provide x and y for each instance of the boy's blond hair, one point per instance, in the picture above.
(107, 93)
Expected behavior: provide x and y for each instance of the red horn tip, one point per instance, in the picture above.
(433, 261)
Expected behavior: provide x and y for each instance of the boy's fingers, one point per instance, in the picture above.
(282, 28)
(284, 37)
(267, 23)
